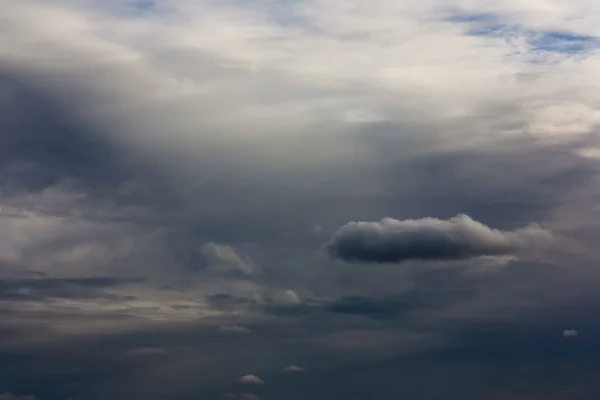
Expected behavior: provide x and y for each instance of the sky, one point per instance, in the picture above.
(299, 199)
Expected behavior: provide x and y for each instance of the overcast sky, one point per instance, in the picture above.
(299, 199)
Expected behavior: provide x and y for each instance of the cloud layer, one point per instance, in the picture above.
(394, 241)
(170, 170)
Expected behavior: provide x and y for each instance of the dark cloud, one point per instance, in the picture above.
(126, 152)
(66, 288)
(394, 241)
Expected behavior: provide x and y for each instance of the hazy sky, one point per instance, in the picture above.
(299, 199)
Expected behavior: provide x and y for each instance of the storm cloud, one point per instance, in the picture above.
(395, 241)
(171, 170)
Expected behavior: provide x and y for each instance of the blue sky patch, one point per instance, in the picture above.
(484, 24)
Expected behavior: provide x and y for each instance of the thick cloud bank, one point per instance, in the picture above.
(394, 241)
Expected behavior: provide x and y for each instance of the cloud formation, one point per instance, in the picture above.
(211, 147)
(293, 369)
(251, 380)
(396, 241)
(222, 258)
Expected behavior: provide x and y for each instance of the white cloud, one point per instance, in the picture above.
(293, 368)
(251, 380)
(224, 258)
(287, 297)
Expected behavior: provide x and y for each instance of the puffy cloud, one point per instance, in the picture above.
(223, 258)
(288, 297)
(570, 333)
(293, 368)
(395, 241)
(251, 380)
(233, 329)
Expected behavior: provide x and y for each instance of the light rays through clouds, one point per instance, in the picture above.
(195, 191)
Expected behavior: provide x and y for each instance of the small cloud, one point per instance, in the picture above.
(223, 258)
(250, 380)
(290, 297)
(570, 333)
(293, 368)
(458, 238)
(285, 298)
(149, 351)
(233, 329)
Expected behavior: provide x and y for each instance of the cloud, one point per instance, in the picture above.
(198, 143)
(223, 258)
(570, 333)
(233, 329)
(149, 351)
(287, 297)
(251, 380)
(66, 288)
(396, 241)
(293, 368)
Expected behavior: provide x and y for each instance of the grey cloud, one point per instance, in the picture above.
(10, 396)
(396, 241)
(293, 368)
(46, 288)
(223, 258)
(233, 329)
(251, 380)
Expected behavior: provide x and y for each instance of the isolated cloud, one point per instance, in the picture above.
(251, 380)
(570, 333)
(293, 368)
(233, 329)
(395, 241)
(287, 297)
(223, 258)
